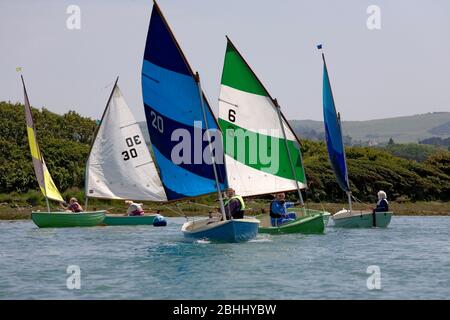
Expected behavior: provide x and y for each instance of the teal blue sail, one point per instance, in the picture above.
(174, 113)
(333, 133)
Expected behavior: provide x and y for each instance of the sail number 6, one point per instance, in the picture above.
(157, 122)
(232, 115)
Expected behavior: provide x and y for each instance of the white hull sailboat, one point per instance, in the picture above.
(361, 219)
(347, 218)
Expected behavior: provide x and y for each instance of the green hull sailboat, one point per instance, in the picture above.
(117, 220)
(67, 219)
(48, 187)
(271, 161)
(312, 223)
(120, 165)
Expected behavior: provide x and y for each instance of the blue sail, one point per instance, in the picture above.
(174, 115)
(333, 133)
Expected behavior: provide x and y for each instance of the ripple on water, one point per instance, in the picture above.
(158, 263)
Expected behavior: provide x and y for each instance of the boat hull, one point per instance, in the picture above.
(67, 220)
(312, 223)
(361, 219)
(238, 230)
(326, 218)
(117, 220)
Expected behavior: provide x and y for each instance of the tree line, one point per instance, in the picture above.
(65, 142)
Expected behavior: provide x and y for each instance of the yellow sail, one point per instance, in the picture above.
(43, 177)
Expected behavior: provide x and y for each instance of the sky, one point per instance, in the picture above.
(402, 68)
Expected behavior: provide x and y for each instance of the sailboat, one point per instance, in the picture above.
(348, 218)
(120, 166)
(271, 161)
(185, 135)
(48, 188)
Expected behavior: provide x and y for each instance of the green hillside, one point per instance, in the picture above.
(401, 129)
(65, 141)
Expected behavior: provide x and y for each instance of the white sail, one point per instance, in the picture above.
(247, 110)
(120, 165)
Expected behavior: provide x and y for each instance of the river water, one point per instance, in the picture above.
(412, 257)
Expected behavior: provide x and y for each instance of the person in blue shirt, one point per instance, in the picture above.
(278, 210)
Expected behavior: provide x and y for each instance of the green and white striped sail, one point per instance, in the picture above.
(256, 156)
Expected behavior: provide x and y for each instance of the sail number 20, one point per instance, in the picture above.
(131, 142)
(157, 122)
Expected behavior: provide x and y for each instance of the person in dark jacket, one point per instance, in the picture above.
(234, 205)
(382, 204)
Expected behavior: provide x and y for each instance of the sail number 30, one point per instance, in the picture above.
(131, 142)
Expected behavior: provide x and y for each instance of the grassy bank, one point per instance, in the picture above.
(431, 208)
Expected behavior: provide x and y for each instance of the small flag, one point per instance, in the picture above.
(319, 46)
(19, 69)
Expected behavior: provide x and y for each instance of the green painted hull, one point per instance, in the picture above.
(117, 220)
(67, 220)
(312, 223)
(326, 218)
(364, 221)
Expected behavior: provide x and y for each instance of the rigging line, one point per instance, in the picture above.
(143, 164)
(129, 125)
(181, 211)
(177, 212)
(231, 104)
(364, 203)
(202, 205)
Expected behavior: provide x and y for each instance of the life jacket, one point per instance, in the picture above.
(241, 200)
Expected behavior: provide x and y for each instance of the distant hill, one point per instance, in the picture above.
(65, 142)
(401, 129)
(374, 132)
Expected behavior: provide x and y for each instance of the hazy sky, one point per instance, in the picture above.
(401, 69)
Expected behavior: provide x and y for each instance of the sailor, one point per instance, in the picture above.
(234, 205)
(134, 209)
(278, 210)
(382, 204)
(73, 206)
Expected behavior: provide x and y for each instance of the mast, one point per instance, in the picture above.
(338, 116)
(348, 192)
(213, 158)
(38, 149)
(277, 106)
(92, 144)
